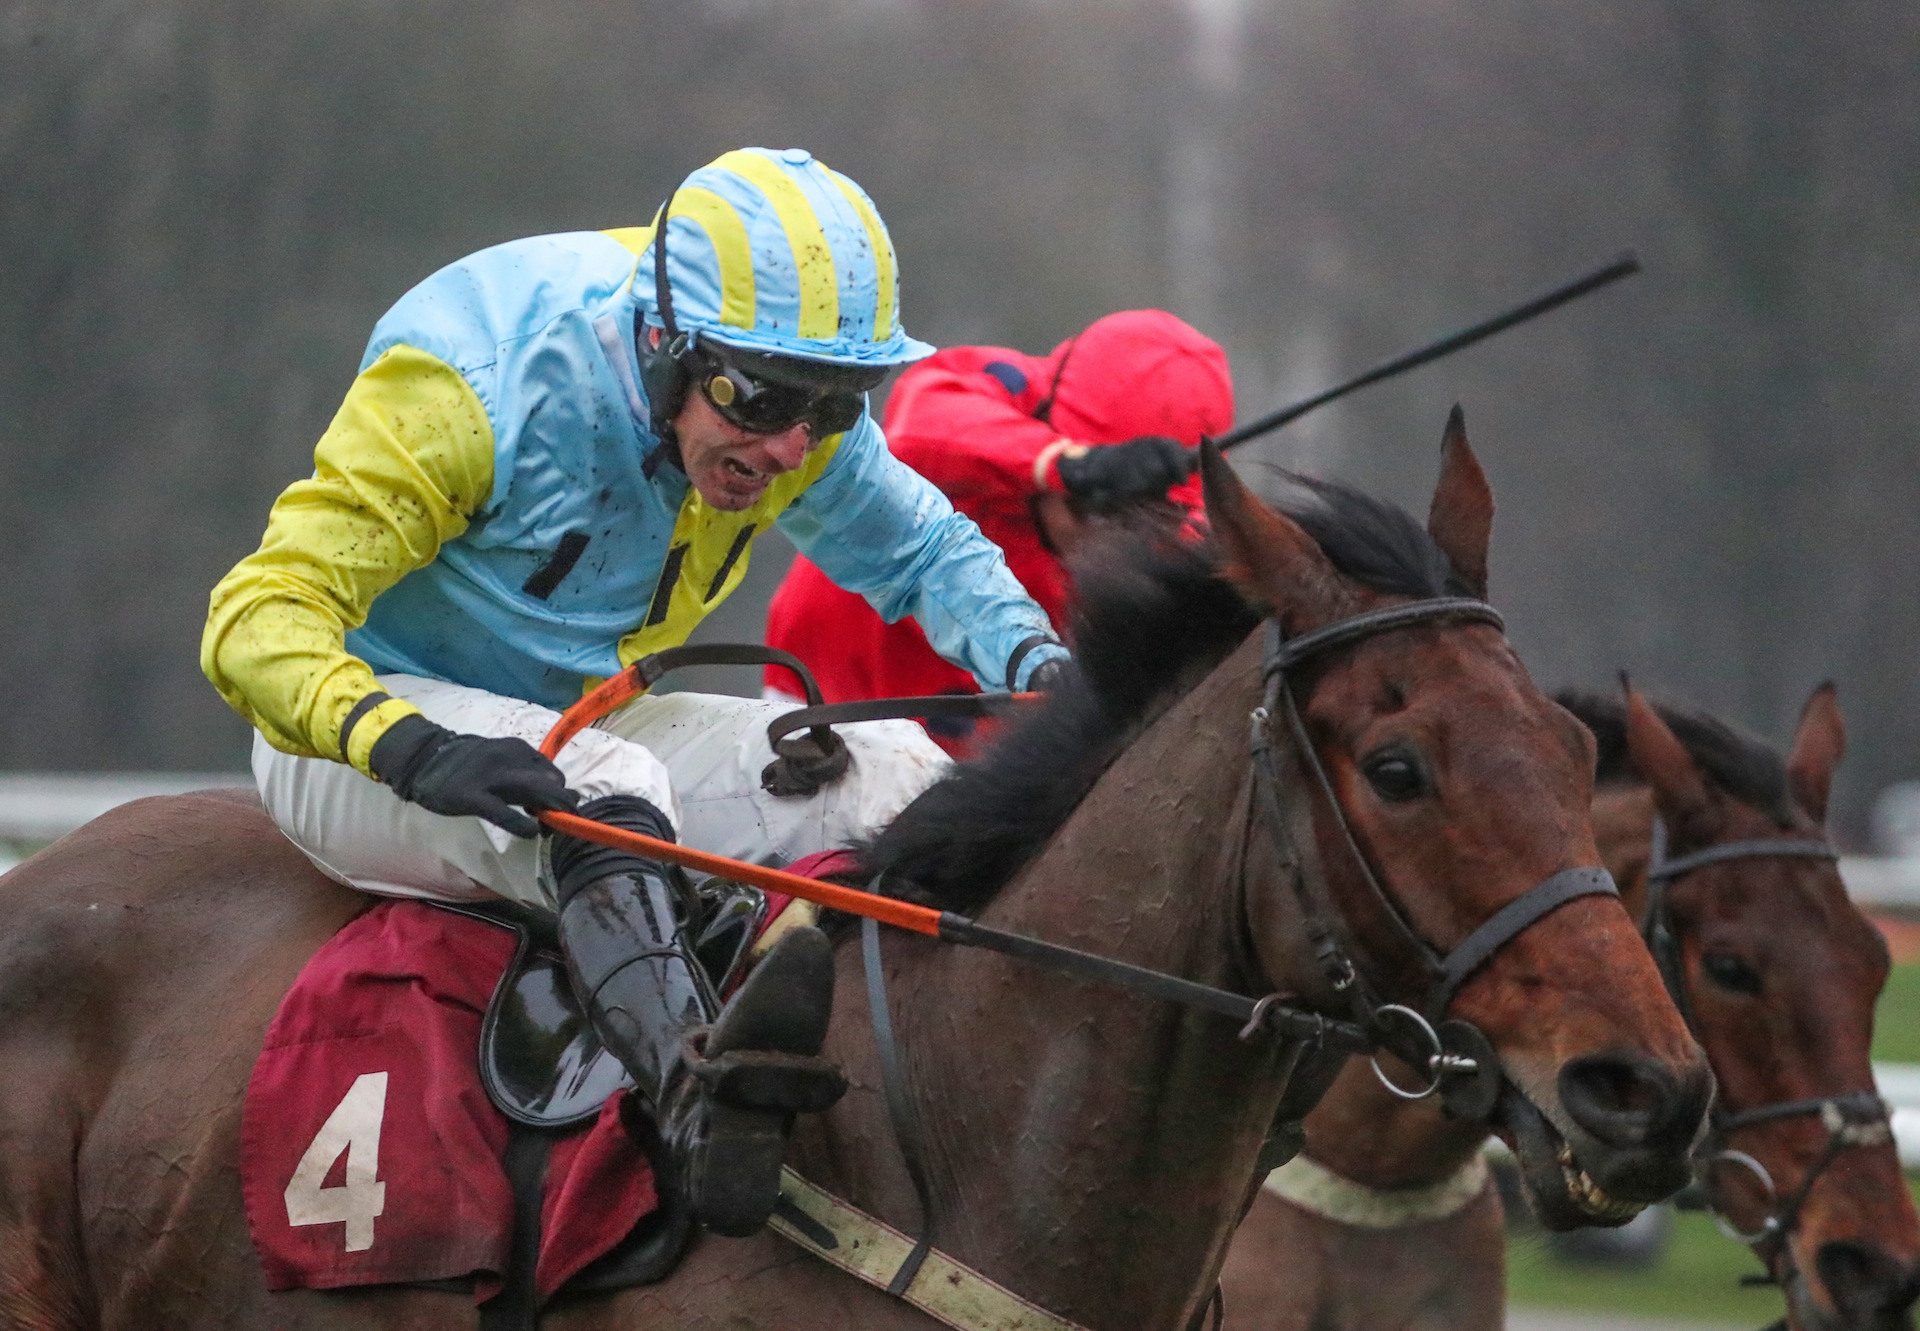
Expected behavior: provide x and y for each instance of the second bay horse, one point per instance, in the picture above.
(1392, 1225)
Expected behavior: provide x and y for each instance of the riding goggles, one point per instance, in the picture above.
(769, 395)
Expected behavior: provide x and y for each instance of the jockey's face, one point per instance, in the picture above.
(729, 466)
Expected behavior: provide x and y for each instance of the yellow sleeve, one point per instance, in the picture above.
(407, 461)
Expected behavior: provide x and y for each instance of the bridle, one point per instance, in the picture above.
(1456, 1056)
(1852, 1119)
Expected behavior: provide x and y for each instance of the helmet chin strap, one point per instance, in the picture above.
(659, 417)
(664, 373)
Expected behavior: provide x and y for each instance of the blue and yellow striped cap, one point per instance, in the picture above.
(775, 252)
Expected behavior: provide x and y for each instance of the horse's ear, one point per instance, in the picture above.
(1679, 787)
(1269, 556)
(1818, 746)
(1461, 519)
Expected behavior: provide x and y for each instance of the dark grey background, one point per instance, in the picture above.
(1705, 475)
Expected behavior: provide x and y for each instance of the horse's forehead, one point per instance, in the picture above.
(1796, 911)
(1462, 681)
(1763, 889)
(1449, 656)
(1818, 956)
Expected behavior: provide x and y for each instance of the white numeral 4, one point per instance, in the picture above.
(353, 1127)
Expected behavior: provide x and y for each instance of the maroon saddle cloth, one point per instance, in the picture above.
(372, 1152)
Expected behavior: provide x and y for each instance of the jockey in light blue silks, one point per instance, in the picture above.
(554, 461)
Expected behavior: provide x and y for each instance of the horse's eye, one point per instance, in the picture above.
(1395, 777)
(1729, 972)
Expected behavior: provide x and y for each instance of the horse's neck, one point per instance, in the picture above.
(1369, 1137)
(1088, 1147)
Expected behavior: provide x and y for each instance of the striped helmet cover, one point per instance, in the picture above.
(773, 251)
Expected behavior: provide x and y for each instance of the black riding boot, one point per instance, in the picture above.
(723, 1096)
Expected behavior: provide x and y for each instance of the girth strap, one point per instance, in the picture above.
(1501, 927)
(517, 1306)
(952, 1294)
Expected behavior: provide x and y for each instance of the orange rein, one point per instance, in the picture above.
(628, 685)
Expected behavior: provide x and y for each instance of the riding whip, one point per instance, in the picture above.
(1624, 266)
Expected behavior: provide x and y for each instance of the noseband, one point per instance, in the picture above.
(1456, 1056)
(1853, 1118)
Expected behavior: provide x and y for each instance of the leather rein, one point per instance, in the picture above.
(1457, 1058)
(1852, 1119)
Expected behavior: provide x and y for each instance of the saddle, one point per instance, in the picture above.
(540, 1060)
(546, 1071)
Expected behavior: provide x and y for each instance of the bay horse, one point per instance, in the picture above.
(1086, 1147)
(1395, 1225)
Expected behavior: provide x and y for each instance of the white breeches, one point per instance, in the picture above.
(696, 756)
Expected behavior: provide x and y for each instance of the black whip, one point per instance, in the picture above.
(1624, 266)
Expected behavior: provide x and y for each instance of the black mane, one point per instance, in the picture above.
(1153, 616)
(1373, 542)
(1743, 766)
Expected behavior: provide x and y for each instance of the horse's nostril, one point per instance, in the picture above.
(1867, 1285)
(1622, 1099)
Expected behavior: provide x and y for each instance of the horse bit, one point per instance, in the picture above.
(1852, 1119)
(1458, 1059)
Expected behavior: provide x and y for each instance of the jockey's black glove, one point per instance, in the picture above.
(1109, 475)
(469, 775)
(1046, 676)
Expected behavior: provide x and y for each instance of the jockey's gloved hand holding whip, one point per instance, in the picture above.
(1046, 676)
(1113, 474)
(477, 775)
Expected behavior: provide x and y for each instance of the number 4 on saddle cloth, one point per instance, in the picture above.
(376, 1148)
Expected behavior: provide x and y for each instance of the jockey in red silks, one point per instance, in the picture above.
(1029, 447)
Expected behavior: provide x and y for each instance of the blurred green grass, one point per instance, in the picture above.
(1896, 1021)
(1698, 1277)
